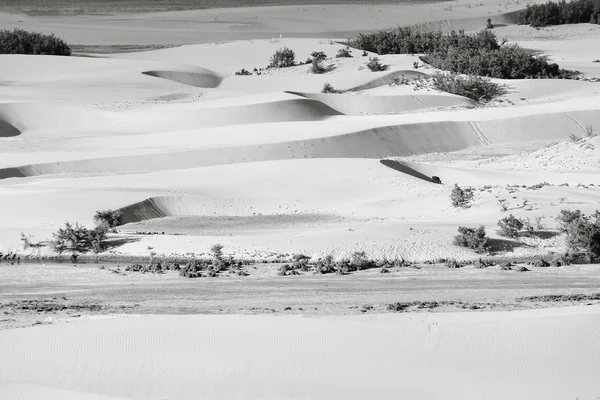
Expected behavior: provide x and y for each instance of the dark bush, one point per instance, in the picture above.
(244, 72)
(75, 238)
(317, 66)
(510, 226)
(473, 87)
(108, 218)
(562, 12)
(473, 54)
(19, 41)
(319, 55)
(344, 53)
(472, 238)
(283, 58)
(489, 24)
(461, 197)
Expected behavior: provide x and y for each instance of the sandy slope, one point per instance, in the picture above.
(471, 355)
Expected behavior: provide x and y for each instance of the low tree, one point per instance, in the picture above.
(108, 218)
(582, 232)
(510, 226)
(76, 238)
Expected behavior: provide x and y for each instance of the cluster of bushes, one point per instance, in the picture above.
(357, 262)
(582, 233)
(561, 12)
(75, 238)
(19, 41)
(473, 54)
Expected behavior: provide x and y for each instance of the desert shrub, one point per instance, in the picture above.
(510, 226)
(473, 87)
(283, 58)
(319, 55)
(327, 88)
(317, 66)
(19, 41)
(582, 232)
(473, 54)
(344, 53)
(489, 24)
(359, 261)
(562, 12)
(472, 238)
(244, 72)
(75, 238)
(460, 197)
(375, 66)
(216, 252)
(108, 218)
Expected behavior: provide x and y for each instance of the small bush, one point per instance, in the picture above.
(344, 53)
(473, 87)
(460, 197)
(375, 66)
(472, 238)
(319, 55)
(510, 226)
(283, 58)
(244, 72)
(108, 218)
(489, 24)
(317, 66)
(19, 41)
(75, 238)
(327, 88)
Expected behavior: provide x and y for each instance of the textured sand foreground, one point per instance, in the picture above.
(539, 354)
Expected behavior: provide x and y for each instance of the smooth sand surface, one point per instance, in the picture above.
(545, 354)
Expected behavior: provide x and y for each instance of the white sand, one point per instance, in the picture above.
(540, 354)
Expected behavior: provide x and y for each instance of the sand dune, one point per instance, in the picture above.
(495, 355)
(7, 130)
(361, 105)
(379, 142)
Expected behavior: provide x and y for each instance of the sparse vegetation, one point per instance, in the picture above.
(461, 198)
(510, 226)
(19, 41)
(561, 12)
(477, 54)
(244, 72)
(473, 87)
(472, 238)
(108, 218)
(327, 88)
(283, 58)
(375, 66)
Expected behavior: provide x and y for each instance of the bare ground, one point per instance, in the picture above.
(36, 294)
